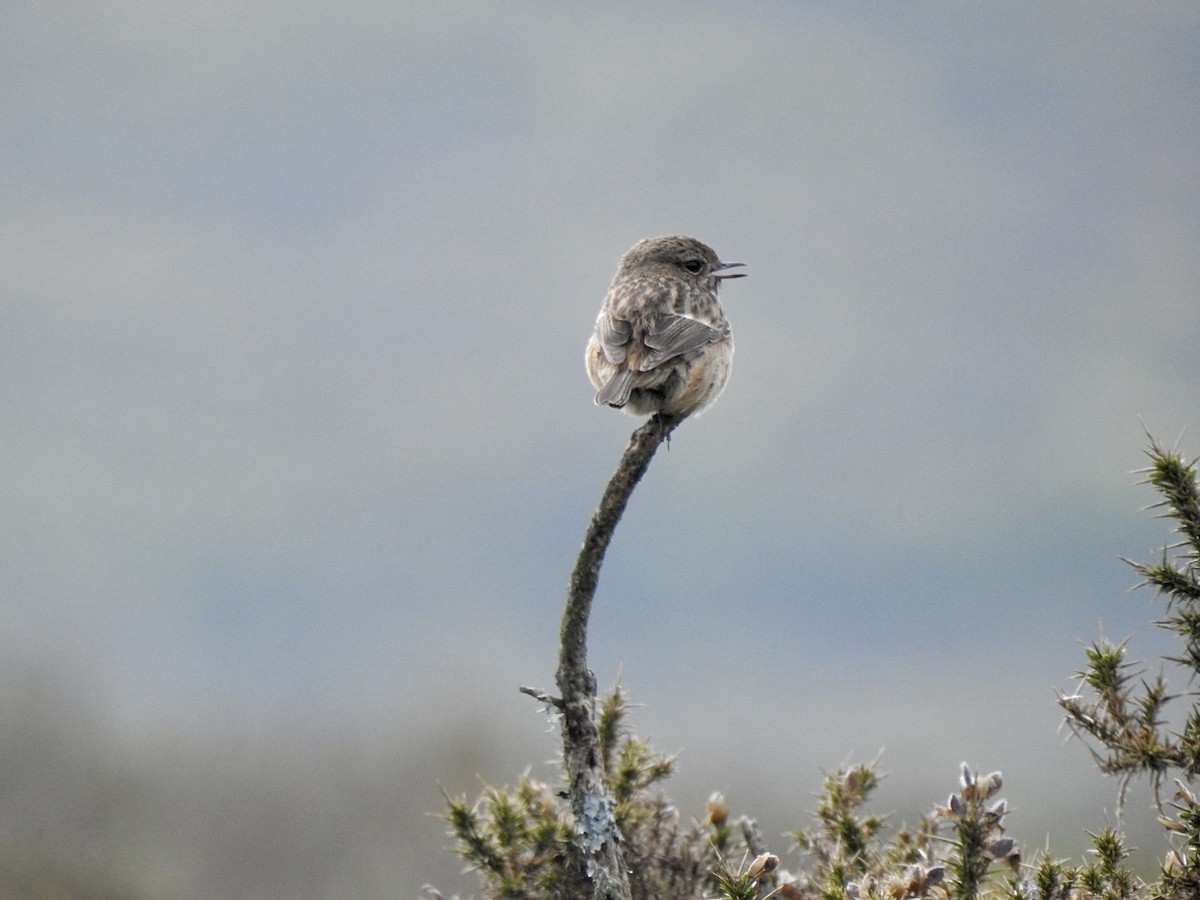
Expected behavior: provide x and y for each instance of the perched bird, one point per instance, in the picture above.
(662, 343)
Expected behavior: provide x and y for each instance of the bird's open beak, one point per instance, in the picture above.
(719, 271)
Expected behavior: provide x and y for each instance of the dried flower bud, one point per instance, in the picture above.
(717, 809)
(1184, 793)
(916, 881)
(989, 784)
(999, 849)
(763, 864)
(1171, 824)
(977, 788)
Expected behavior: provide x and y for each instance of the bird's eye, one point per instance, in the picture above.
(695, 266)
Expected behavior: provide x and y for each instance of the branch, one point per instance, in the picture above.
(592, 804)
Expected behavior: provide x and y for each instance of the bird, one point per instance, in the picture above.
(662, 343)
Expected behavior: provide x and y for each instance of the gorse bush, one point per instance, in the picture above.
(523, 841)
(1122, 716)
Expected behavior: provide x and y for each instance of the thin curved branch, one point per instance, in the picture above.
(596, 832)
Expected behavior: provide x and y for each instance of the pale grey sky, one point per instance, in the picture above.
(299, 434)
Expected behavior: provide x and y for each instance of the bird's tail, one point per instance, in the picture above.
(615, 392)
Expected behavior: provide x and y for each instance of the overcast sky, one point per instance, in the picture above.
(298, 430)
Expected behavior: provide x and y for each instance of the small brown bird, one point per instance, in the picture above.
(662, 343)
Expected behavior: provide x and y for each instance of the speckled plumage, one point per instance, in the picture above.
(662, 343)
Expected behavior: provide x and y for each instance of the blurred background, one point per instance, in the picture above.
(299, 449)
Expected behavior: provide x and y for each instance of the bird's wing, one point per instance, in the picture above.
(675, 336)
(614, 336)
